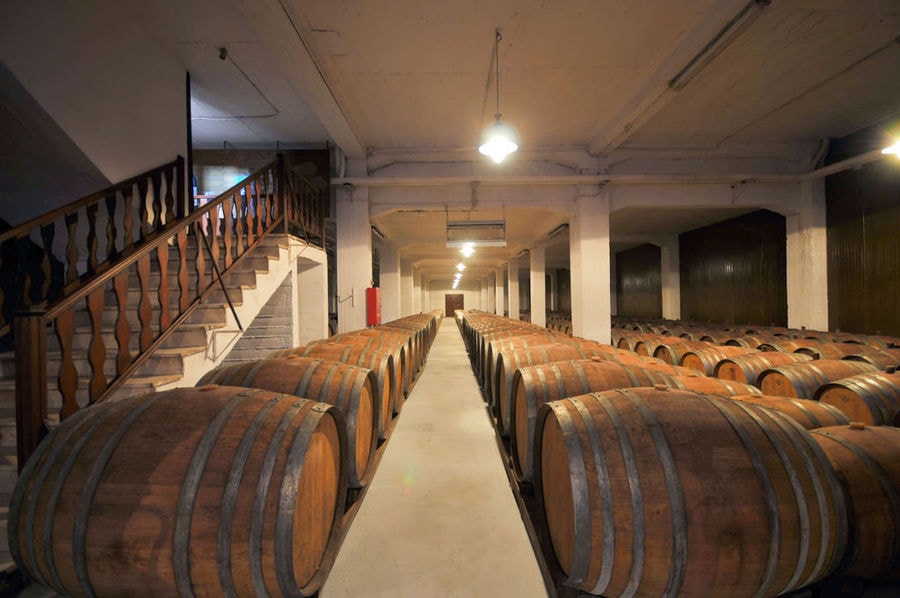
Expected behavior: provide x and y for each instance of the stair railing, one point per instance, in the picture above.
(143, 230)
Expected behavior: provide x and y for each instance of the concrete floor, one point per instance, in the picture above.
(439, 518)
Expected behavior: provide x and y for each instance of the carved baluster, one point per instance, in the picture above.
(145, 310)
(31, 381)
(228, 206)
(92, 237)
(165, 316)
(123, 328)
(4, 320)
(71, 248)
(213, 238)
(252, 202)
(239, 221)
(183, 278)
(201, 259)
(144, 199)
(168, 177)
(155, 191)
(96, 349)
(47, 233)
(127, 220)
(262, 198)
(23, 269)
(68, 375)
(112, 233)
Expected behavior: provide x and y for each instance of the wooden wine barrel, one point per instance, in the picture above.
(382, 364)
(802, 380)
(836, 350)
(882, 359)
(790, 345)
(747, 368)
(807, 413)
(631, 341)
(210, 491)
(666, 493)
(400, 343)
(872, 398)
(350, 388)
(494, 346)
(713, 386)
(705, 359)
(751, 341)
(532, 386)
(866, 460)
(671, 352)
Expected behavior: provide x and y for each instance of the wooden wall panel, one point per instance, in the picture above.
(863, 219)
(735, 271)
(639, 282)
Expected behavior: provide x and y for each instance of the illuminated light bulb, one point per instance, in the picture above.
(467, 250)
(892, 149)
(460, 266)
(499, 140)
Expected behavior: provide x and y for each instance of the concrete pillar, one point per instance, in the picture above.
(613, 286)
(807, 266)
(416, 292)
(407, 289)
(310, 298)
(670, 275)
(389, 275)
(589, 259)
(538, 286)
(499, 298)
(512, 274)
(354, 257)
(553, 273)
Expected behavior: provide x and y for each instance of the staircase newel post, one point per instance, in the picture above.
(283, 195)
(31, 381)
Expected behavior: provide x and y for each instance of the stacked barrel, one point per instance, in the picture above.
(240, 486)
(699, 462)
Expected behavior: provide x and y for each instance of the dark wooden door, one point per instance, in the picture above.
(452, 302)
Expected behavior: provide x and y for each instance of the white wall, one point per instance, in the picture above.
(113, 90)
(471, 291)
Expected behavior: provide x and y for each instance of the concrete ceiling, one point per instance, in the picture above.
(411, 81)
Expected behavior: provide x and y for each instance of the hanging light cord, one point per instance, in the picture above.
(497, 65)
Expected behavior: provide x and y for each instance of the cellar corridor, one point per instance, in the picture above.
(439, 518)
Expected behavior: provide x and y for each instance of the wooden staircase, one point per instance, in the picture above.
(155, 307)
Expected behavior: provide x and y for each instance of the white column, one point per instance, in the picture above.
(499, 299)
(613, 286)
(389, 280)
(420, 294)
(553, 273)
(589, 258)
(513, 283)
(670, 274)
(807, 266)
(311, 300)
(407, 289)
(354, 257)
(538, 286)
(483, 296)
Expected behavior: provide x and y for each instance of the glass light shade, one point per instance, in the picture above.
(460, 266)
(498, 141)
(468, 250)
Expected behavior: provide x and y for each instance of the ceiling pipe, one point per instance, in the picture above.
(619, 179)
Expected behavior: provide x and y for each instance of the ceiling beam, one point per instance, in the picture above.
(280, 32)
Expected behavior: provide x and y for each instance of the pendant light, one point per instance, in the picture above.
(500, 139)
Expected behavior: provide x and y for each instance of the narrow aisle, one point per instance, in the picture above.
(439, 518)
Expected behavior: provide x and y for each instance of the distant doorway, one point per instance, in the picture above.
(452, 302)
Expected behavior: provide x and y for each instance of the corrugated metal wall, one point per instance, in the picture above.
(639, 282)
(864, 249)
(735, 271)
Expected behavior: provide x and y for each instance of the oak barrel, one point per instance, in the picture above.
(866, 460)
(807, 413)
(705, 359)
(882, 359)
(535, 385)
(672, 351)
(663, 492)
(210, 491)
(350, 388)
(871, 398)
(747, 368)
(381, 363)
(802, 380)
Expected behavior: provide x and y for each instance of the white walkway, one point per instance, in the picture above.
(439, 518)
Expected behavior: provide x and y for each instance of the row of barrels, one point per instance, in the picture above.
(859, 379)
(236, 487)
(633, 464)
